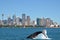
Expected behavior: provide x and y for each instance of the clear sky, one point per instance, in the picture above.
(33, 8)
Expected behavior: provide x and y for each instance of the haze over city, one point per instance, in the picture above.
(33, 8)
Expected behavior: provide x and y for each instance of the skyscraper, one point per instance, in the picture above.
(23, 19)
(9, 20)
(33, 23)
(48, 22)
(14, 19)
(18, 21)
(28, 20)
(43, 22)
(2, 19)
(38, 21)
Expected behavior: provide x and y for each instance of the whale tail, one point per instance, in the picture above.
(34, 35)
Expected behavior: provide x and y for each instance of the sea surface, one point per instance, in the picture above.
(22, 33)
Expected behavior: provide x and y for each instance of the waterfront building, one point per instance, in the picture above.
(55, 24)
(2, 19)
(20, 22)
(0, 22)
(26, 23)
(9, 21)
(42, 22)
(49, 22)
(14, 19)
(17, 21)
(28, 20)
(38, 21)
(23, 19)
(5, 22)
(33, 23)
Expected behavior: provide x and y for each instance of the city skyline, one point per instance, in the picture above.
(33, 8)
(26, 21)
(25, 16)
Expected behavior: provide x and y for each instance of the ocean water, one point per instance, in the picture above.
(22, 33)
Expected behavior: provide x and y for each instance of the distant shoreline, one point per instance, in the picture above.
(26, 27)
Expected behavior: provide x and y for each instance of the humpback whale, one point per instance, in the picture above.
(39, 35)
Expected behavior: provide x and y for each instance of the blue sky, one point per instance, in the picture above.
(33, 8)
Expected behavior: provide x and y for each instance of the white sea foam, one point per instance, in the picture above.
(41, 36)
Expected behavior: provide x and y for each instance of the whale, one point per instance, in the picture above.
(39, 35)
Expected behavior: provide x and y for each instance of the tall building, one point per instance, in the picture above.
(48, 22)
(28, 20)
(33, 23)
(43, 22)
(5, 22)
(2, 19)
(0, 22)
(18, 21)
(10, 21)
(38, 21)
(14, 19)
(23, 19)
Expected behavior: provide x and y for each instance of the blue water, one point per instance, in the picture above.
(22, 33)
